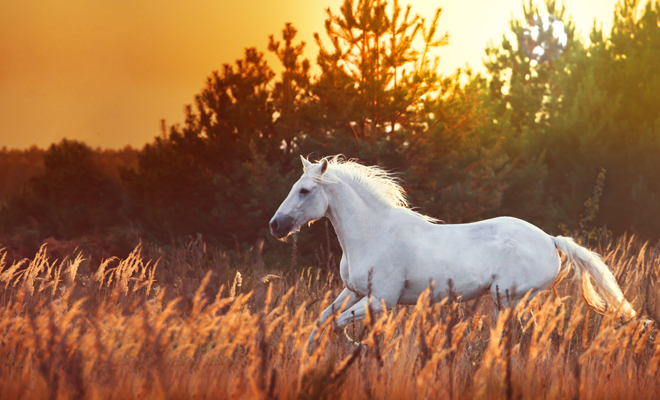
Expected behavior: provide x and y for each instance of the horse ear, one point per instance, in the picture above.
(306, 163)
(324, 166)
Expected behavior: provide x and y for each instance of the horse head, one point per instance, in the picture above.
(307, 201)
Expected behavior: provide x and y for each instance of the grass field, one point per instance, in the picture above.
(237, 328)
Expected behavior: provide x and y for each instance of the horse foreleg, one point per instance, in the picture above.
(359, 311)
(346, 299)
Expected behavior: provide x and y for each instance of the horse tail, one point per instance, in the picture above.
(583, 260)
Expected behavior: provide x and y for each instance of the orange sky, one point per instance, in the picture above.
(107, 71)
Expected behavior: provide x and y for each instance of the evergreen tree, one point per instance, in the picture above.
(377, 99)
(595, 107)
(216, 175)
(381, 100)
(73, 197)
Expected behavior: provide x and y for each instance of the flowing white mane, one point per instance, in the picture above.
(382, 184)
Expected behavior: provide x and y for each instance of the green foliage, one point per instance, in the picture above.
(17, 167)
(591, 207)
(73, 196)
(595, 107)
(215, 174)
(169, 192)
(364, 83)
(527, 141)
(586, 230)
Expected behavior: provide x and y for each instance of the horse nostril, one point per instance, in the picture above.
(273, 225)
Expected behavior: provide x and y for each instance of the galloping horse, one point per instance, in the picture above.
(404, 251)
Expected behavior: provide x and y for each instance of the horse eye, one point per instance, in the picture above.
(304, 191)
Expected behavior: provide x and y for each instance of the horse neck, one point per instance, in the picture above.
(354, 212)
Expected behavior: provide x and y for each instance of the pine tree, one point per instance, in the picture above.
(595, 107)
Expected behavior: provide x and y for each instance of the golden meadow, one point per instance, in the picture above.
(238, 329)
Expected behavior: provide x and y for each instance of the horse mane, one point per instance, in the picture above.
(383, 185)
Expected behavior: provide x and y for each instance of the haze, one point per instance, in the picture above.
(106, 72)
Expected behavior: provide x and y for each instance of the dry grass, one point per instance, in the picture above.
(241, 331)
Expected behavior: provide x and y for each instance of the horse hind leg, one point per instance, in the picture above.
(507, 289)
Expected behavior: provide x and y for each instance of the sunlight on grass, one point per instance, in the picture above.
(118, 334)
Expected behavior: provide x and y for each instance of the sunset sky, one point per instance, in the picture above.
(106, 71)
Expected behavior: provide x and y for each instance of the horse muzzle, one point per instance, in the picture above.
(280, 226)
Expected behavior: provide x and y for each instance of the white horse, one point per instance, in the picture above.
(404, 251)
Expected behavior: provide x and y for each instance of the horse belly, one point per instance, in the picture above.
(461, 278)
(463, 291)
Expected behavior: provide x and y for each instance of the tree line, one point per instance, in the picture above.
(571, 146)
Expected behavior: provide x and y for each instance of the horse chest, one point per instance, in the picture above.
(355, 281)
(362, 272)
(355, 276)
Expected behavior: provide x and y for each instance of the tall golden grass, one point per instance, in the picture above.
(119, 334)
